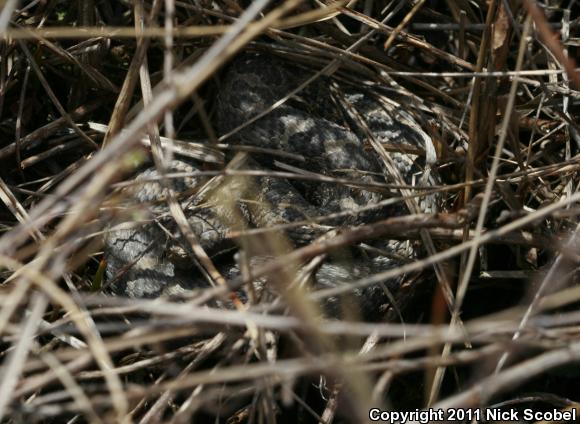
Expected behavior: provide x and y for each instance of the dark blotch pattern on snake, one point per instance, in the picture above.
(149, 257)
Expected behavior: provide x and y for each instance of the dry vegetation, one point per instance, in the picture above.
(496, 85)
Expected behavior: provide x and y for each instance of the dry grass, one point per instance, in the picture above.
(493, 83)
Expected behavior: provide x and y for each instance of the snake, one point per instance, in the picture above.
(310, 169)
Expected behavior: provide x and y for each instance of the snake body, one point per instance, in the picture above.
(151, 258)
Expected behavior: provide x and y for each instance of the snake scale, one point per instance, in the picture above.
(326, 124)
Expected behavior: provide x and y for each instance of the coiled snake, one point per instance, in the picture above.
(326, 125)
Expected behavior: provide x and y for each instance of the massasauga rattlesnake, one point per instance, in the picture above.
(327, 126)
